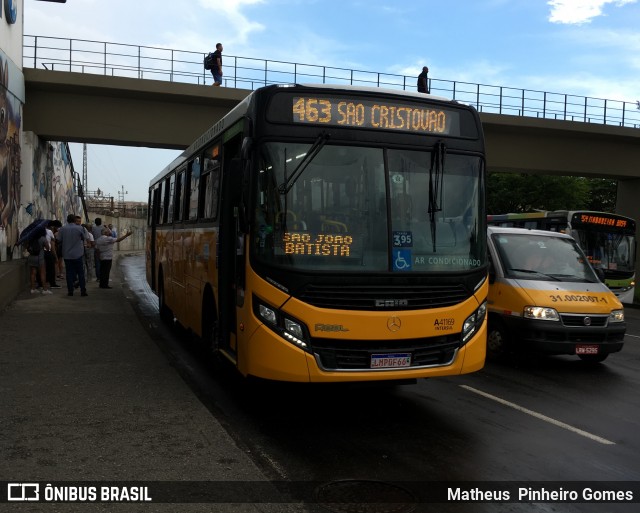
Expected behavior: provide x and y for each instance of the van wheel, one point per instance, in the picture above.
(593, 358)
(497, 340)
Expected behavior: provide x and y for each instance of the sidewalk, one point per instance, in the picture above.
(86, 395)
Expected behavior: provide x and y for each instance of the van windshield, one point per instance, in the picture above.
(540, 257)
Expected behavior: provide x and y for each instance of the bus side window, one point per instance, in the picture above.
(194, 183)
(179, 201)
(171, 199)
(209, 184)
(160, 219)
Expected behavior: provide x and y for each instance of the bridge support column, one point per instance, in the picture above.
(627, 204)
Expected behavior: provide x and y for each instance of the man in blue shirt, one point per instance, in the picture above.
(71, 237)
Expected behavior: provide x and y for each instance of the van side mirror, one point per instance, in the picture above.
(492, 273)
(600, 274)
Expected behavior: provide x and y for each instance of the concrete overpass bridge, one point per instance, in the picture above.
(87, 91)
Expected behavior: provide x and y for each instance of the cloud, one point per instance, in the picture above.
(576, 12)
(237, 23)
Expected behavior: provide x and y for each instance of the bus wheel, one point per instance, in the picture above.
(593, 358)
(165, 312)
(497, 340)
(210, 331)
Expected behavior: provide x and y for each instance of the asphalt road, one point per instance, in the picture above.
(552, 419)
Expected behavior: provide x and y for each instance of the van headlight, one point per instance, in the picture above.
(541, 313)
(284, 325)
(616, 316)
(473, 322)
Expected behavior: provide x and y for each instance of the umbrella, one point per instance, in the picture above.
(34, 230)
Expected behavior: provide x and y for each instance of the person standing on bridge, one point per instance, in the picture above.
(216, 69)
(423, 81)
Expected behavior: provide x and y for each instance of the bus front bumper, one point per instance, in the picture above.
(274, 358)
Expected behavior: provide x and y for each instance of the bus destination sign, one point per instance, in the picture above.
(376, 115)
(601, 220)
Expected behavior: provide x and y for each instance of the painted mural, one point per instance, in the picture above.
(36, 176)
(53, 182)
(10, 163)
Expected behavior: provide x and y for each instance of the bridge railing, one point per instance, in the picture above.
(146, 62)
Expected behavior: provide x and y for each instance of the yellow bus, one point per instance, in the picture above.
(328, 234)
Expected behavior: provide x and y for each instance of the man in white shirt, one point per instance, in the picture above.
(104, 244)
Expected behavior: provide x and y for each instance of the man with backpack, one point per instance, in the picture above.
(36, 248)
(216, 65)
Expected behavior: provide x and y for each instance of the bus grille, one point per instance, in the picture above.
(363, 297)
(579, 320)
(356, 354)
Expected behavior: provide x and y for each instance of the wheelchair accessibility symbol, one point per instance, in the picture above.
(401, 259)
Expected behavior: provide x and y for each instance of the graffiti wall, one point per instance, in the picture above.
(36, 182)
(10, 161)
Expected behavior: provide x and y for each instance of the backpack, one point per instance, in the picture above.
(33, 246)
(208, 61)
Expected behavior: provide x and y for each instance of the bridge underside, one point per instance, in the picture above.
(80, 107)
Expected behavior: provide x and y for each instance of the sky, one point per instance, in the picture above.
(580, 47)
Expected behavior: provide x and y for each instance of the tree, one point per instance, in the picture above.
(511, 192)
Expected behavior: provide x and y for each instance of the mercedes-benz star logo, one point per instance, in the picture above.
(394, 323)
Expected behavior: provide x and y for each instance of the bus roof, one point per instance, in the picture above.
(381, 90)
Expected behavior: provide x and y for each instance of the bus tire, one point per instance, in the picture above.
(210, 325)
(593, 358)
(497, 339)
(165, 312)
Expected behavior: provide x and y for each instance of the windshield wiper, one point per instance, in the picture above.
(290, 181)
(436, 177)
(550, 276)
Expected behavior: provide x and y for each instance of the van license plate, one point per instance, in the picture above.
(587, 349)
(390, 361)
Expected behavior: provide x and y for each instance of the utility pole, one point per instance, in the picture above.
(121, 194)
(84, 167)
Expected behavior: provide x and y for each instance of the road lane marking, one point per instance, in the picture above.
(540, 416)
(634, 336)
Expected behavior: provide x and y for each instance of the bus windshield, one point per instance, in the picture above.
(610, 251)
(365, 209)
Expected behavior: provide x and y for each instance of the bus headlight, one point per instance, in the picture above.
(473, 322)
(287, 327)
(616, 316)
(267, 314)
(541, 313)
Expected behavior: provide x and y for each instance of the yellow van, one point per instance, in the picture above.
(545, 297)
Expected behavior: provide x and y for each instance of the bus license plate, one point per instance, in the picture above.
(390, 361)
(587, 349)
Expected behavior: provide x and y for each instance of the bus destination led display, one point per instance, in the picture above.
(377, 115)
